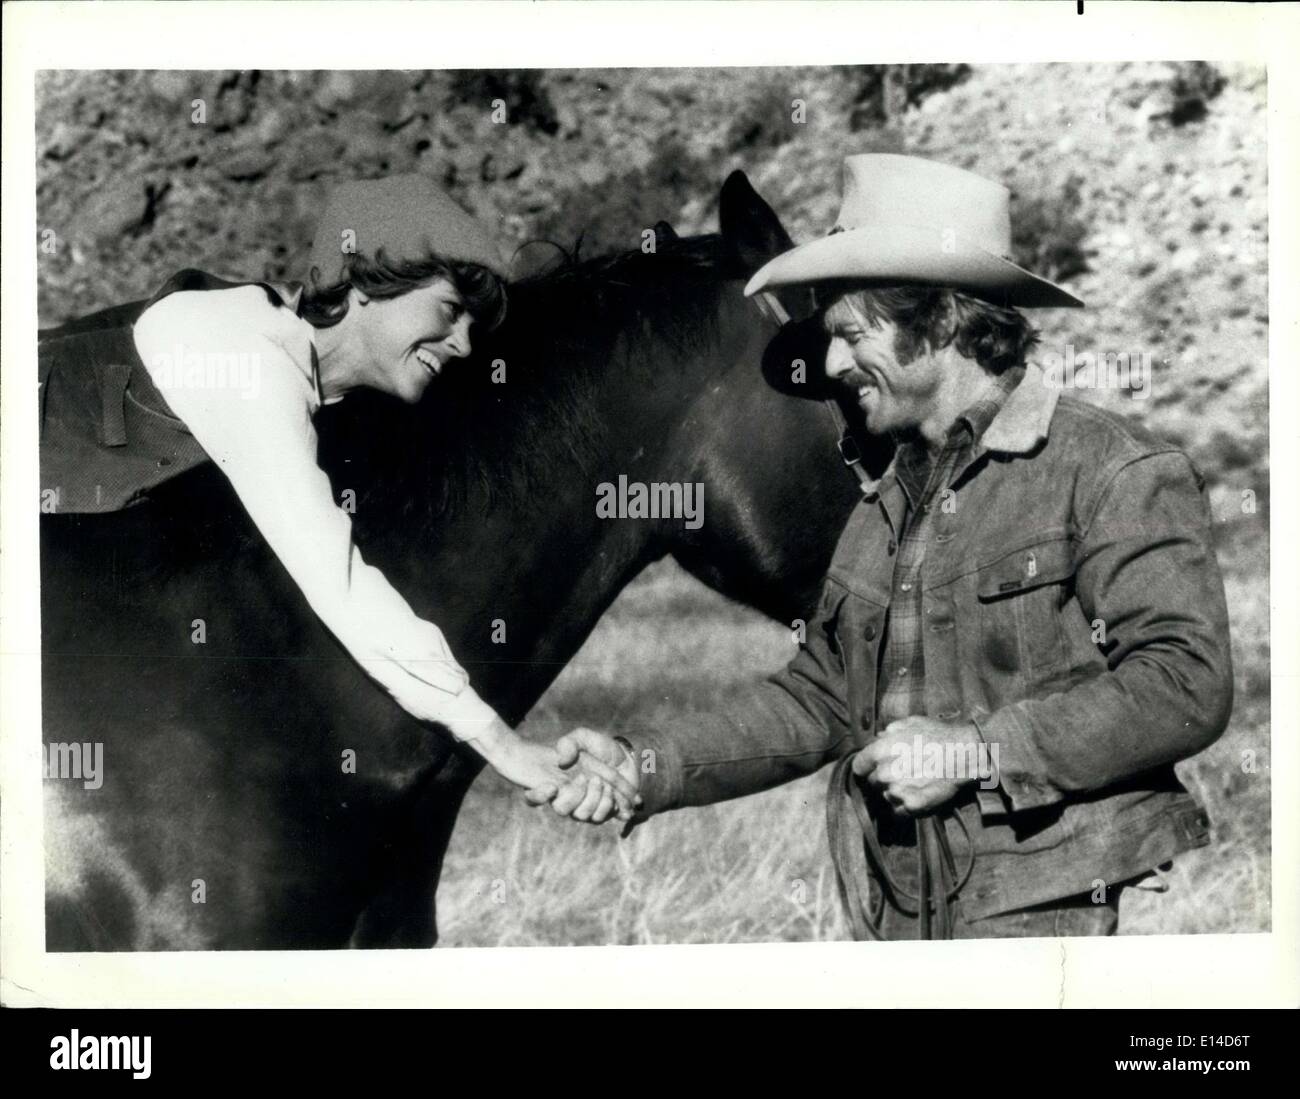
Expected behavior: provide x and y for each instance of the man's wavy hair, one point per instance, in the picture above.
(996, 337)
(483, 291)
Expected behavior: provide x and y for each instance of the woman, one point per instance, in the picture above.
(400, 276)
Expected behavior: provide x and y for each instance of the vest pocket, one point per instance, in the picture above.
(1021, 594)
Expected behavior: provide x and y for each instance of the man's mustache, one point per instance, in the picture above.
(854, 380)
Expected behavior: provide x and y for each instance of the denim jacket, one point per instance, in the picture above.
(1074, 613)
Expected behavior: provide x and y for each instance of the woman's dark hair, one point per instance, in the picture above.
(996, 337)
(483, 291)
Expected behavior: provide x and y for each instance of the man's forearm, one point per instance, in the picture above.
(788, 727)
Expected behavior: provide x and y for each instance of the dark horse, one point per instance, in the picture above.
(223, 778)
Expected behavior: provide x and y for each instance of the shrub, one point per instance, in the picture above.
(885, 91)
(1048, 233)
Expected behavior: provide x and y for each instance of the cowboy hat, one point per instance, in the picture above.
(905, 219)
(409, 216)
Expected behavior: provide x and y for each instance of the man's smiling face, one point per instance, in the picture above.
(895, 391)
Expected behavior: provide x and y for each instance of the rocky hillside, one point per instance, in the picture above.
(1142, 186)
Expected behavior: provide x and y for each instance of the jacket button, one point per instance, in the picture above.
(869, 633)
(163, 463)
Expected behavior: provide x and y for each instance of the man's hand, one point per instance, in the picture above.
(603, 778)
(911, 762)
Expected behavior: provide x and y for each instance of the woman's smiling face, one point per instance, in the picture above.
(409, 339)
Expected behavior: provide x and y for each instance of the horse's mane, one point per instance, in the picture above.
(473, 442)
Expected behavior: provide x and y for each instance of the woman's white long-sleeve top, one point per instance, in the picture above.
(240, 372)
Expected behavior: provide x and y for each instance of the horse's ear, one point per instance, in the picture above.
(754, 234)
(749, 225)
(664, 233)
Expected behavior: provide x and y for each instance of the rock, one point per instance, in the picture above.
(111, 211)
(273, 126)
(383, 90)
(319, 157)
(63, 142)
(368, 143)
(389, 97)
(249, 164)
(335, 91)
(173, 87)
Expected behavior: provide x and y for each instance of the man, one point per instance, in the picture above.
(1023, 627)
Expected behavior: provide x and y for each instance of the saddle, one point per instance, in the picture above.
(107, 435)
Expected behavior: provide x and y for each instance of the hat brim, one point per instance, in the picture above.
(898, 254)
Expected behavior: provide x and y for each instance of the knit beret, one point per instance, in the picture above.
(408, 216)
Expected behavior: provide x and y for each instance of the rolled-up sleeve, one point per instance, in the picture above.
(1149, 577)
(259, 432)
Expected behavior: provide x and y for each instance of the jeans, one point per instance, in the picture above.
(1064, 918)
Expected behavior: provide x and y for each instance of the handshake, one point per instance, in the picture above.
(586, 775)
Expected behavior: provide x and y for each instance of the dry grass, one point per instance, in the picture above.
(758, 869)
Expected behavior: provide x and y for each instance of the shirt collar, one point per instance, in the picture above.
(914, 462)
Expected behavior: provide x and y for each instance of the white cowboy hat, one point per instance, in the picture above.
(909, 220)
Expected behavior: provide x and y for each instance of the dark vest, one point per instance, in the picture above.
(107, 434)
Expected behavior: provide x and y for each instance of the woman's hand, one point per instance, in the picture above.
(535, 767)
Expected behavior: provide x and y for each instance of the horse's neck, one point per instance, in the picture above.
(777, 494)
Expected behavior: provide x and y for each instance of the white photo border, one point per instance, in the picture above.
(1157, 971)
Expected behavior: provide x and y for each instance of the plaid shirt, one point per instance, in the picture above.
(902, 665)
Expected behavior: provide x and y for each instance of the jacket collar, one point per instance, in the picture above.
(1025, 418)
(1019, 427)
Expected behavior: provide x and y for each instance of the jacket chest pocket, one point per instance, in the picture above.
(828, 621)
(1021, 595)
